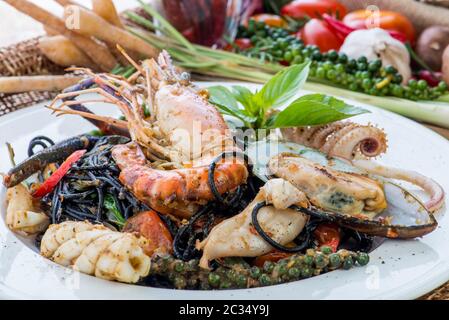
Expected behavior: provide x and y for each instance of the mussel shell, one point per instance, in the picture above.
(405, 217)
(409, 218)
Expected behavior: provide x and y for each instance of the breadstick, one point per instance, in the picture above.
(63, 52)
(106, 9)
(36, 83)
(67, 2)
(96, 52)
(95, 26)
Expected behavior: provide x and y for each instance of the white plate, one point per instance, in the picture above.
(398, 269)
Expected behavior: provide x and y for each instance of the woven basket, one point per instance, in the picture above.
(26, 59)
(22, 59)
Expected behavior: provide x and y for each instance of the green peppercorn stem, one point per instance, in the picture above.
(236, 273)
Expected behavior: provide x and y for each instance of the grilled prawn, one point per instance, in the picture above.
(167, 164)
(96, 250)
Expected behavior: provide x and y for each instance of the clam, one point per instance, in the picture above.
(372, 204)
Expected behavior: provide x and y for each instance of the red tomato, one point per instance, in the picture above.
(388, 20)
(318, 32)
(271, 20)
(148, 225)
(273, 256)
(328, 234)
(300, 9)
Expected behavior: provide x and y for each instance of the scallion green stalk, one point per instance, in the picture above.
(433, 112)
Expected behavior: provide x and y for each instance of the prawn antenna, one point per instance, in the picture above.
(131, 60)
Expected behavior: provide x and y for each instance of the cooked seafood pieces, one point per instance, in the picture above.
(329, 189)
(183, 156)
(96, 250)
(22, 215)
(178, 192)
(343, 139)
(354, 142)
(352, 197)
(183, 136)
(236, 236)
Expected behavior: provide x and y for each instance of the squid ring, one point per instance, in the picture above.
(268, 239)
(42, 141)
(211, 175)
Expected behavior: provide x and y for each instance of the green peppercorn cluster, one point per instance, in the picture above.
(361, 75)
(235, 274)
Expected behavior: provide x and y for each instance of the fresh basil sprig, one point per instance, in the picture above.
(259, 110)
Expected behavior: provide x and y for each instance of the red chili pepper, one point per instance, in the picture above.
(328, 234)
(54, 179)
(342, 30)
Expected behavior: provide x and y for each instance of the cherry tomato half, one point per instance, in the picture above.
(328, 234)
(300, 9)
(148, 225)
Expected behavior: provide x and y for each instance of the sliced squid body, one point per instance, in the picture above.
(236, 237)
(96, 250)
(21, 214)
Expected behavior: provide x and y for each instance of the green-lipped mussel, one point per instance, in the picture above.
(402, 215)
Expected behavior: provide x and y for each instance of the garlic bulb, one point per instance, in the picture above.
(378, 44)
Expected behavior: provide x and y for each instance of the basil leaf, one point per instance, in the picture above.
(225, 101)
(245, 97)
(113, 212)
(283, 86)
(331, 101)
(221, 95)
(314, 109)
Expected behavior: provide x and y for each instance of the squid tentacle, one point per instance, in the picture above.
(346, 140)
(429, 185)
